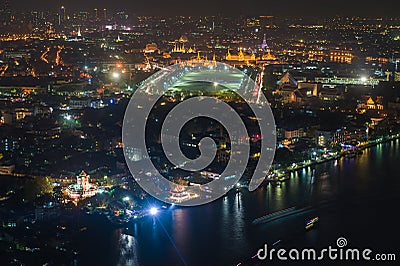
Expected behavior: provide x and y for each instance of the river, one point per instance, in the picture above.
(361, 193)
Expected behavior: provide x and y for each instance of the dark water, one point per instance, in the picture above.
(363, 195)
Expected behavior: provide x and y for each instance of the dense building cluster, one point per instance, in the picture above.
(66, 78)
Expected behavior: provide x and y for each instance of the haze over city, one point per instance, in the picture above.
(225, 7)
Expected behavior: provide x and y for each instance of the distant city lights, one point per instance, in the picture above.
(116, 75)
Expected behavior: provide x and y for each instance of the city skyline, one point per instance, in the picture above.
(305, 8)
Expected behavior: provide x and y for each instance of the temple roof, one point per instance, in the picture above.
(183, 38)
(288, 80)
(83, 173)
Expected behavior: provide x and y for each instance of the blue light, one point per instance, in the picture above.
(153, 211)
(126, 198)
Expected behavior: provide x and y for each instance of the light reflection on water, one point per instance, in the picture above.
(128, 253)
(180, 221)
(222, 230)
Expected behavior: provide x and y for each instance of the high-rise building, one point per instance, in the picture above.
(61, 15)
(96, 13)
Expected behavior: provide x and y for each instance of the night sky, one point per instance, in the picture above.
(298, 8)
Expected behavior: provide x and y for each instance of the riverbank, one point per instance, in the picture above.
(281, 172)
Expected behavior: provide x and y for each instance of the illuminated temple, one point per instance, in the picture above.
(179, 195)
(179, 46)
(240, 57)
(82, 188)
(264, 55)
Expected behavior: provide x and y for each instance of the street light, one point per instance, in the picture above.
(153, 211)
(115, 75)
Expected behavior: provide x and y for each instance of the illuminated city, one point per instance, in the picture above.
(70, 190)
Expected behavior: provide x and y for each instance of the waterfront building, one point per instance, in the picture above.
(82, 188)
(179, 195)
